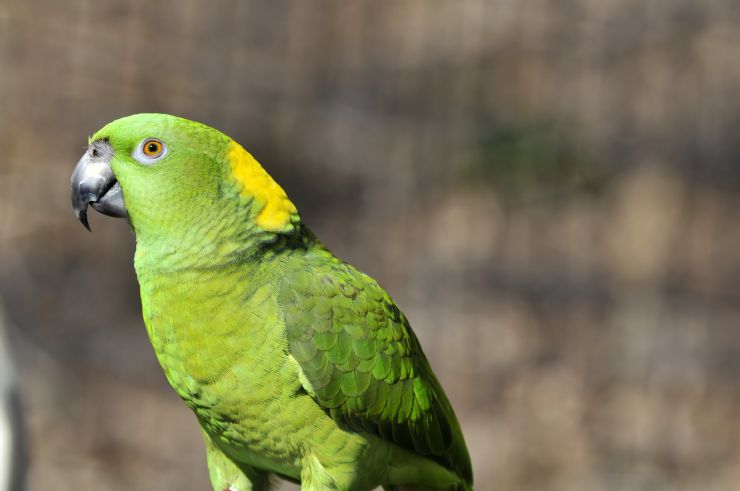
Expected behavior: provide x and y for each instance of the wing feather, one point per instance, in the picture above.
(363, 364)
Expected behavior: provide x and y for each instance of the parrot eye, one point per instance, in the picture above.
(150, 151)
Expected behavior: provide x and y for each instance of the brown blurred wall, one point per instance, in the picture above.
(549, 190)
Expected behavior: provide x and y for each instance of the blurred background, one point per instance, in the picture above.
(549, 190)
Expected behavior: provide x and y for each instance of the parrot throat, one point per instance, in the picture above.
(221, 244)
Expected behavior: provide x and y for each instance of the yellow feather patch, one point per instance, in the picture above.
(256, 183)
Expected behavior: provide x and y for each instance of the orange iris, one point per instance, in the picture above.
(153, 148)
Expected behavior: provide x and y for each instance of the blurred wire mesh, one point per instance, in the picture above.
(548, 189)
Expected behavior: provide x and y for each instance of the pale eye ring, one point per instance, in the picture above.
(150, 150)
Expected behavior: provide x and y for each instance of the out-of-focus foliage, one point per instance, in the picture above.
(520, 160)
(548, 189)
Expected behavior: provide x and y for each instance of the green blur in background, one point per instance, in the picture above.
(549, 190)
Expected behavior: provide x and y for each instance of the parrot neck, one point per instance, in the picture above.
(226, 230)
(216, 248)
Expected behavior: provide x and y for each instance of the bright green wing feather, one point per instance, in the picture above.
(362, 362)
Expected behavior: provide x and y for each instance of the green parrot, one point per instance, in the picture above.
(295, 363)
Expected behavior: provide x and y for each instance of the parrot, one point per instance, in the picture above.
(296, 365)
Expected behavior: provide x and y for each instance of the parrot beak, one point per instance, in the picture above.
(94, 183)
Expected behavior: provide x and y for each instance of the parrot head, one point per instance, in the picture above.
(177, 179)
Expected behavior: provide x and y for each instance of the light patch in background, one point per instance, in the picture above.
(6, 447)
(9, 446)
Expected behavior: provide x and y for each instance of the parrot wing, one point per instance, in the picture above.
(362, 363)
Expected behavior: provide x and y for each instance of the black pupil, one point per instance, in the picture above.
(152, 147)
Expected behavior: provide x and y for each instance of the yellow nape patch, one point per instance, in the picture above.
(256, 183)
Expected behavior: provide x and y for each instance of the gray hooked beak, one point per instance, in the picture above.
(94, 183)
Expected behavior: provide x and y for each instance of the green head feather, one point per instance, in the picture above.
(186, 184)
